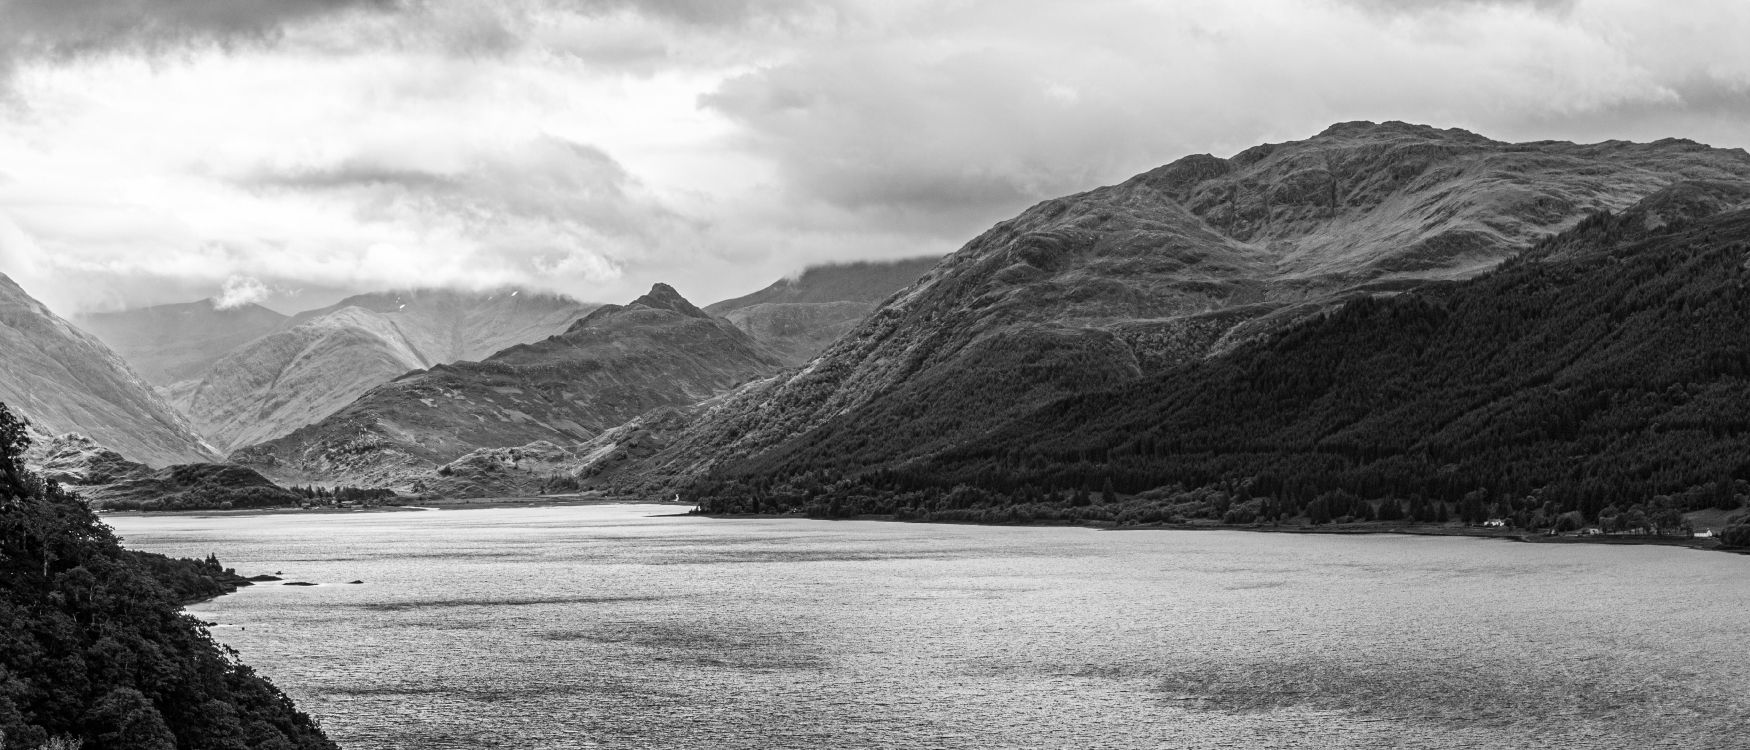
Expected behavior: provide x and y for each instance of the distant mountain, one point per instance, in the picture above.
(613, 365)
(321, 360)
(798, 317)
(170, 343)
(445, 325)
(1102, 289)
(66, 380)
(1603, 377)
(863, 281)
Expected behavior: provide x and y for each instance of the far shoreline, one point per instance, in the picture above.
(472, 503)
(1702, 544)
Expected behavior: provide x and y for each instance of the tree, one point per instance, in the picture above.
(124, 718)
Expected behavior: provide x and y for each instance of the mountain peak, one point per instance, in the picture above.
(1368, 128)
(664, 297)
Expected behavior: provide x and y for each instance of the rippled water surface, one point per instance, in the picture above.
(620, 627)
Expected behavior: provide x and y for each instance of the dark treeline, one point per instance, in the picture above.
(1601, 379)
(94, 648)
(344, 495)
(197, 487)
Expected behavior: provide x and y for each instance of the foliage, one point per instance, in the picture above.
(344, 495)
(196, 487)
(94, 648)
(1737, 534)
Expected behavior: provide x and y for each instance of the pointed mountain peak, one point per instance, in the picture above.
(663, 297)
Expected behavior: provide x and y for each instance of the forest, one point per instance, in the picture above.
(95, 651)
(1600, 380)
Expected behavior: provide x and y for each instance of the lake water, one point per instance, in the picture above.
(619, 627)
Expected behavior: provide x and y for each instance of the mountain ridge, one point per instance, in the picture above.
(1599, 378)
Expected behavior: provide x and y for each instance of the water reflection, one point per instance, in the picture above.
(603, 626)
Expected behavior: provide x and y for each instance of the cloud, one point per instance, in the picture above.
(596, 146)
(241, 290)
(546, 205)
(1423, 6)
(949, 117)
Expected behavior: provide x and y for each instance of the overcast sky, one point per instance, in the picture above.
(288, 151)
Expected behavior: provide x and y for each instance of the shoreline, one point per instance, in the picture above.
(1703, 544)
(472, 503)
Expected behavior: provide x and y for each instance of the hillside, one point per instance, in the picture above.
(104, 479)
(324, 359)
(98, 652)
(1094, 291)
(615, 364)
(799, 317)
(1603, 376)
(66, 380)
(171, 343)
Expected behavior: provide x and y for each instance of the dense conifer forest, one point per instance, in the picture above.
(94, 649)
(1601, 380)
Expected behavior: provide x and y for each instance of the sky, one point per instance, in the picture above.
(289, 152)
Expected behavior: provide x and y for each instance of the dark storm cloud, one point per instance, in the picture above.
(70, 27)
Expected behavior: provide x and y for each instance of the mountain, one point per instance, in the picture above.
(323, 359)
(443, 325)
(1603, 377)
(1105, 288)
(613, 365)
(864, 281)
(170, 343)
(66, 380)
(798, 317)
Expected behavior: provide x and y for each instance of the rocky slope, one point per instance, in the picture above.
(322, 360)
(615, 364)
(1096, 290)
(171, 343)
(798, 317)
(66, 380)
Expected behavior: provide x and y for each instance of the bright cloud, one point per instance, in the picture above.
(154, 150)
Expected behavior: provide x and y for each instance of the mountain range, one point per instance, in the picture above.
(1327, 297)
(1603, 373)
(1193, 260)
(618, 362)
(319, 361)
